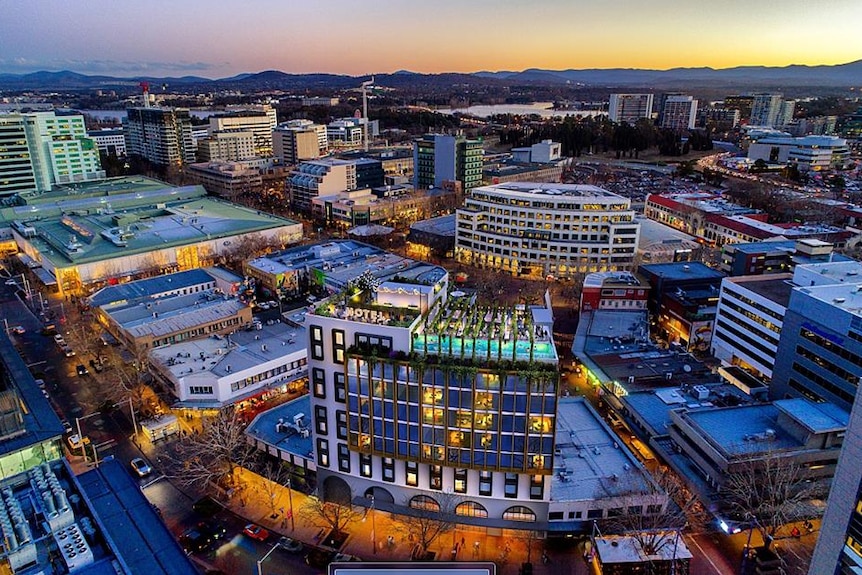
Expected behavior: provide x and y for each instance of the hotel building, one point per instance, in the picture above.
(422, 399)
(546, 230)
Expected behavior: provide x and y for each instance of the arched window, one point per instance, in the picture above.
(519, 513)
(471, 509)
(425, 503)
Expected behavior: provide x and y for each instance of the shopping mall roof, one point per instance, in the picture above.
(91, 230)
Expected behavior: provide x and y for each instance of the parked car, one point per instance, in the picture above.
(11, 282)
(319, 558)
(256, 532)
(59, 339)
(201, 536)
(141, 467)
(68, 351)
(290, 545)
(82, 369)
(18, 330)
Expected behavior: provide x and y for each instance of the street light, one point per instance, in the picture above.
(290, 500)
(262, 559)
(373, 526)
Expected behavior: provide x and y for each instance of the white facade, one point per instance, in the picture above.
(546, 230)
(809, 153)
(217, 371)
(111, 141)
(679, 113)
(227, 146)
(318, 178)
(765, 109)
(748, 323)
(259, 120)
(630, 107)
(543, 152)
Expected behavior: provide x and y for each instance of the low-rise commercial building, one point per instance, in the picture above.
(808, 153)
(613, 290)
(219, 370)
(229, 180)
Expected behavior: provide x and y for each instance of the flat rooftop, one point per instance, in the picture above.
(343, 260)
(774, 287)
(442, 226)
(846, 297)
(171, 314)
(748, 434)
(816, 417)
(654, 232)
(95, 232)
(263, 428)
(150, 287)
(583, 191)
(653, 406)
(222, 355)
(591, 462)
(681, 271)
(599, 279)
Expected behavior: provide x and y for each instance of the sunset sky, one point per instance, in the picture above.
(218, 39)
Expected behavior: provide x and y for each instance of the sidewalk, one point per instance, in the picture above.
(380, 536)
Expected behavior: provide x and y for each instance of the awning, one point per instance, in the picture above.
(44, 276)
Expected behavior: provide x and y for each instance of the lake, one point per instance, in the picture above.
(541, 108)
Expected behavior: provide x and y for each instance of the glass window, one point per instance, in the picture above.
(365, 465)
(340, 388)
(316, 342)
(511, 485)
(323, 452)
(318, 382)
(519, 513)
(343, 458)
(412, 469)
(460, 481)
(320, 420)
(471, 509)
(485, 482)
(388, 469)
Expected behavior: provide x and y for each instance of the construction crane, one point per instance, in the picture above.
(145, 86)
(364, 87)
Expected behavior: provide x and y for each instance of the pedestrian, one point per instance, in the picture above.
(462, 542)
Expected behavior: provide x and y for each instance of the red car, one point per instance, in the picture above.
(256, 532)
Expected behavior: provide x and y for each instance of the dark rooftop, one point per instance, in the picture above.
(775, 288)
(680, 271)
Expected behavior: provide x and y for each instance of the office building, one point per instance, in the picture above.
(162, 136)
(395, 206)
(765, 109)
(678, 112)
(298, 140)
(16, 162)
(229, 180)
(110, 141)
(546, 230)
(748, 321)
(820, 350)
(741, 103)
(438, 158)
(227, 146)
(544, 152)
(683, 300)
(839, 542)
(320, 101)
(330, 176)
(40, 150)
(259, 120)
(809, 153)
(630, 108)
(775, 256)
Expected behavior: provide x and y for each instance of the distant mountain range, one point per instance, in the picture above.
(849, 74)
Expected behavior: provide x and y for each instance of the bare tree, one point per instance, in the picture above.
(773, 490)
(247, 247)
(274, 475)
(427, 521)
(337, 517)
(652, 506)
(212, 456)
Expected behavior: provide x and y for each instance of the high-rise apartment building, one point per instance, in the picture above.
(41, 149)
(543, 230)
(298, 140)
(259, 120)
(765, 109)
(741, 103)
(438, 158)
(678, 112)
(784, 117)
(630, 108)
(162, 136)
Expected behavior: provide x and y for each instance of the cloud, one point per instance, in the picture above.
(113, 67)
